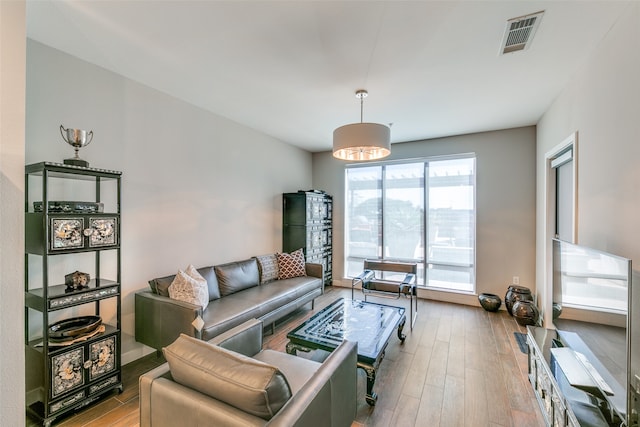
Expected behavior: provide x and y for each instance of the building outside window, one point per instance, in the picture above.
(385, 218)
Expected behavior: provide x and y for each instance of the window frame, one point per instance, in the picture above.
(424, 262)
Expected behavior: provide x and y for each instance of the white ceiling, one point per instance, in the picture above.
(290, 69)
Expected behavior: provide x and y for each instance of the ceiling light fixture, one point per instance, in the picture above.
(362, 141)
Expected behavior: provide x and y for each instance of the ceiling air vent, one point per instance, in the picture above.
(519, 32)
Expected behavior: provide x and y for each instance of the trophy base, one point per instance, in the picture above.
(76, 162)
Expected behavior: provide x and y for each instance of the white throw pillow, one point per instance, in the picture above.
(190, 287)
(192, 272)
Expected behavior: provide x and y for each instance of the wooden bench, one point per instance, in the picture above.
(378, 286)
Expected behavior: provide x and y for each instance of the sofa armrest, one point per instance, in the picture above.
(244, 339)
(313, 269)
(331, 392)
(160, 320)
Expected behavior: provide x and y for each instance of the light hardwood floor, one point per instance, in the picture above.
(460, 366)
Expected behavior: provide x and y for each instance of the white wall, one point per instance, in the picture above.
(197, 188)
(12, 83)
(602, 103)
(505, 193)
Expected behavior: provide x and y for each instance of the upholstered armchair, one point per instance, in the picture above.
(231, 381)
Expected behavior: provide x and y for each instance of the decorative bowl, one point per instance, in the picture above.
(74, 327)
(490, 302)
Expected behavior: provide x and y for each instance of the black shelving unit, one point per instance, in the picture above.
(65, 376)
(307, 223)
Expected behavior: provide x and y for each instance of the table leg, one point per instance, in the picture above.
(371, 396)
(402, 336)
(293, 348)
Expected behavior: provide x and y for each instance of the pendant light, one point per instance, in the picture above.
(361, 141)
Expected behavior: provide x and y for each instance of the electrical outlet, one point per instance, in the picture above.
(516, 280)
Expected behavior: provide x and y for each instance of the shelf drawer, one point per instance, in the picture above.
(63, 233)
(58, 297)
(67, 402)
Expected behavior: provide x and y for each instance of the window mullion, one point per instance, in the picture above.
(383, 203)
(425, 219)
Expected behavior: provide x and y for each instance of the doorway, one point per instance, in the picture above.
(561, 200)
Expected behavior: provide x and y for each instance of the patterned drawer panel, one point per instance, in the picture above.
(318, 238)
(102, 355)
(67, 371)
(559, 410)
(102, 385)
(66, 403)
(80, 298)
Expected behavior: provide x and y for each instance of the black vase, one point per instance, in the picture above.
(490, 302)
(526, 313)
(515, 294)
(557, 310)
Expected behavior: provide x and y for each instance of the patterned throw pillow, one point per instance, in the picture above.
(268, 266)
(291, 265)
(191, 287)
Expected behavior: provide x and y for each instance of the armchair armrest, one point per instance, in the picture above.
(245, 338)
(145, 382)
(160, 320)
(331, 392)
(409, 279)
(363, 278)
(408, 284)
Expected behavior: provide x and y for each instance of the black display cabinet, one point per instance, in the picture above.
(306, 223)
(72, 355)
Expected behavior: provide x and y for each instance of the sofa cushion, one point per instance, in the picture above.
(161, 285)
(236, 276)
(268, 268)
(250, 385)
(191, 287)
(291, 265)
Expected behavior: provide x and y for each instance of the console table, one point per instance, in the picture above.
(560, 383)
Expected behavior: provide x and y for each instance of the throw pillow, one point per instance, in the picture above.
(193, 273)
(291, 265)
(236, 276)
(268, 267)
(248, 384)
(186, 287)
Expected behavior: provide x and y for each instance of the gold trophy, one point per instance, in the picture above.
(77, 138)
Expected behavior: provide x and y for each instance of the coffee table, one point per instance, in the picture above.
(370, 324)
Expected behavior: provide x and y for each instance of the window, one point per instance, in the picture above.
(385, 218)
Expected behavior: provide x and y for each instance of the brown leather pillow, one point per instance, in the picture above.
(252, 386)
(236, 276)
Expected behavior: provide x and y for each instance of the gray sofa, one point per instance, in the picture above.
(248, 386)
(238, 291)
